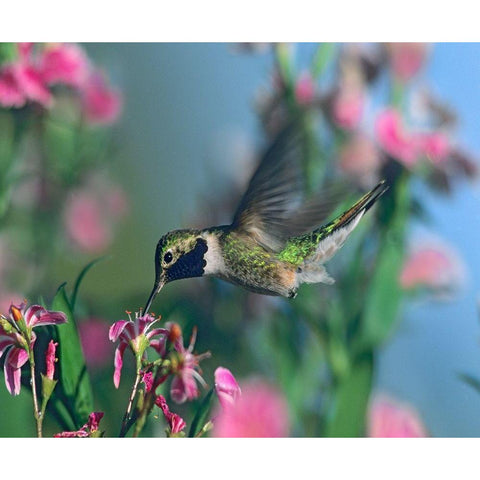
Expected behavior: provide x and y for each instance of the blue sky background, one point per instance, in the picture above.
(183, 100)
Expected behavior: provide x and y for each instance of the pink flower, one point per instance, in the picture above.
(101, 103)
(388, 418)
(95, 344)
(17, 336)
(84, 222)
(433, 265)
(88, 430)
(30, 81)
(406, 59)
(348, 105)
(63, 63)
(11, 94)
(304, 89)
(90, 214)
(260, 411)
(175, 422)
(135, 334)
(360, 159)
(50, 359)
(394, 139)
(226, 387)
(21, 82)
(184, 385)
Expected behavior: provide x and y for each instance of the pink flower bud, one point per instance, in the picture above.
(226, 387)
(50, 359)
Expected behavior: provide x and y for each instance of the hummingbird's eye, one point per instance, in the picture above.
(168, 257)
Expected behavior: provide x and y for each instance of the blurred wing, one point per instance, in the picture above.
(275, 189)
(271, 209)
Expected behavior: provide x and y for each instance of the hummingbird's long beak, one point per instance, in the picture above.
(156, 288)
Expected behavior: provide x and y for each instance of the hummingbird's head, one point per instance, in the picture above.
(179, 254)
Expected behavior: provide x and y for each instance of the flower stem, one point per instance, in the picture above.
(36, 412)
(127, 416)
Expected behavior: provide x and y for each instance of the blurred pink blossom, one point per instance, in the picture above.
(394, 139)
(348, 105)
(226, 387)
(360, 159)
(102, 104)
(388, 418)
(435, 146)
(90, 214)
(21, 82)
(96, 346)
(11, 94)
(434, 265)
(406, 59)
(85, 223)
(63, 63)
(304, 89)
(260, 411)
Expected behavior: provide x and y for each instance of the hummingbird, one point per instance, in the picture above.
(276, 241)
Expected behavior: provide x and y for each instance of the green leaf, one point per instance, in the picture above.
(322, 57)
(384, 293)
(8, 52)
(474, 382)
(352, 394)
(80, 277)
(201, 416)
(74, 380)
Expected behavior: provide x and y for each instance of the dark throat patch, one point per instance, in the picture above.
(191, 264)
